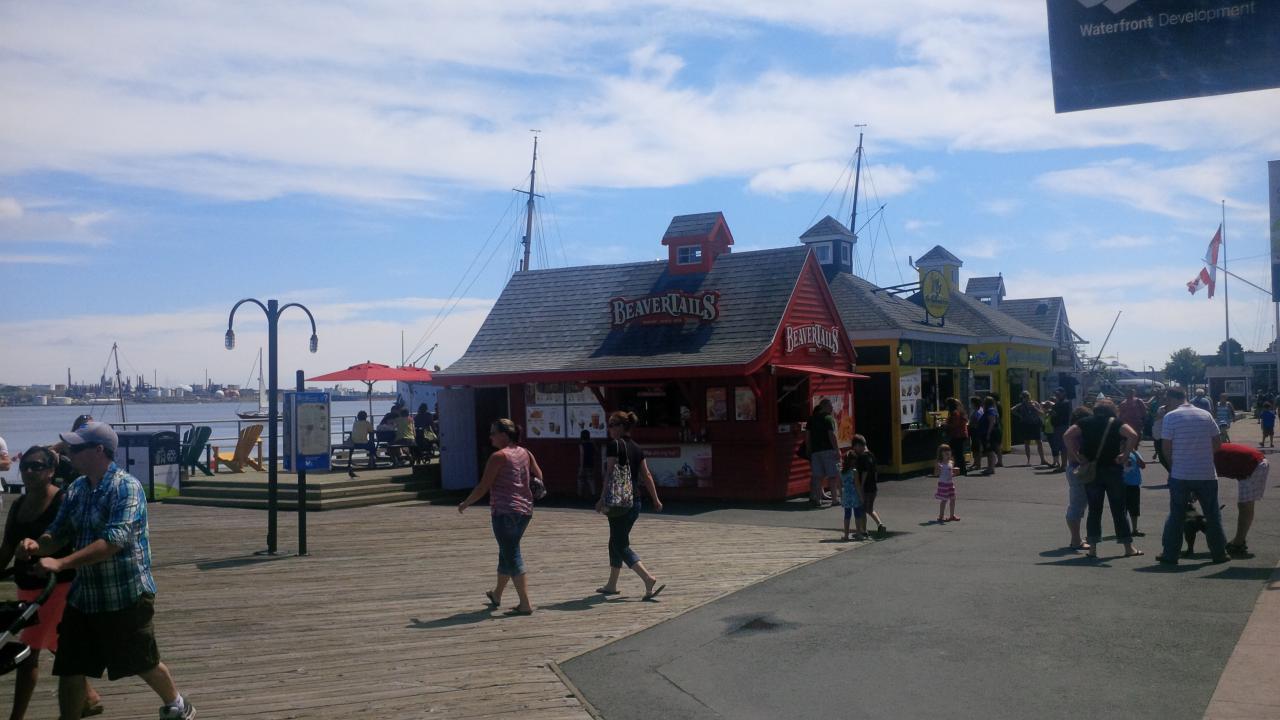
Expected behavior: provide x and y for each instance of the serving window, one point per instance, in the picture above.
(793, 399)
(656, 405)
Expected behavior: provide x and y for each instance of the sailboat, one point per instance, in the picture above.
(264, 410)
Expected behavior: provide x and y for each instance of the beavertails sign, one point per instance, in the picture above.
(813, 337)
(665, 308)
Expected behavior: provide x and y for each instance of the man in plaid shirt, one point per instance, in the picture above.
(107, 623)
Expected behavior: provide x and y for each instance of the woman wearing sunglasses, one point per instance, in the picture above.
(29, 515)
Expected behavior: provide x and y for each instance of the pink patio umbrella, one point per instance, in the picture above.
(371, 372)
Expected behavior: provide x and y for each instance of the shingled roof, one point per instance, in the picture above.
(864, 307)
(1040, 313)
(698, 224)
(558, 320)
(986, 322)
(827, 227)
(985, 287)
(939, 254)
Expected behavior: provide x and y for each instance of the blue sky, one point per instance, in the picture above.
(158, 163)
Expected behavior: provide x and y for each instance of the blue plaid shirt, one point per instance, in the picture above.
(114, 511)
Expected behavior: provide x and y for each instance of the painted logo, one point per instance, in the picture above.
(665, 308)
(812, 336)
(1115, 6)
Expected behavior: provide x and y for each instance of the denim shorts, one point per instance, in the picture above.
(824, 463)
(508, 528)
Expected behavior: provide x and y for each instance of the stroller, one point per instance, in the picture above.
(15, 616)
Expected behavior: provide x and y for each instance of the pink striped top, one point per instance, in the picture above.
(510, 494)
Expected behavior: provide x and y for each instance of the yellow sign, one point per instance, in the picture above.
(936, 290)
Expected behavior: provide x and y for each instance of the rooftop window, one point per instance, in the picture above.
(689, 255)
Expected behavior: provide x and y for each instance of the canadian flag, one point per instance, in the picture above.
(1208, 276)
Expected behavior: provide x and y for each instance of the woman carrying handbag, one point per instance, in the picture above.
(624, 463)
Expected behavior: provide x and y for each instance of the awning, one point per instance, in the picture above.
(816, 370)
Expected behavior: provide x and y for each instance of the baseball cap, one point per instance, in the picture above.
(94, 433)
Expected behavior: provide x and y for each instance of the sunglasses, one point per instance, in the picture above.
(75, 449)
(34, 467)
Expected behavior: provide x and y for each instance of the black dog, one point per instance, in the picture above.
(1193, 524)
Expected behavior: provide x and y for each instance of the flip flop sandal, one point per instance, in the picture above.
(654, 594)
(1081, 546)
(1135, 553)
(92, 710)
(493, 601)
(953, 518)
(606, 591)
(514, 612)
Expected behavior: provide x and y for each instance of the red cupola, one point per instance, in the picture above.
(695, 241)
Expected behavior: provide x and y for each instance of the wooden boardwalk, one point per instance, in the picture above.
(387, 617)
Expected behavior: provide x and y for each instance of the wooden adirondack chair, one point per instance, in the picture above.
(241, 457)
(193, 449)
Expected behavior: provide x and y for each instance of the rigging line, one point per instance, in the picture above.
(422, 340)
(834, 185)
(496, 248)
(892, 249)
(555, 219)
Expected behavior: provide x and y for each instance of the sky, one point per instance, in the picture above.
(159, 162)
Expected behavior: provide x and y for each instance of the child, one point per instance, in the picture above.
(945, 472)
(1268, 419)
(849, 498)
(586, 465)
(1133, 490)
(864, 483)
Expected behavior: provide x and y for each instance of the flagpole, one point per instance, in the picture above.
(1226, 295)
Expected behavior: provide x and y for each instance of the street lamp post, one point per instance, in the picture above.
(272, 310)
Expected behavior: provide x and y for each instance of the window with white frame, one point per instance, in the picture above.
(846, 253)
(688, 254)
(822, 251)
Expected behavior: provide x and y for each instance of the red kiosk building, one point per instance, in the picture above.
(722, 356)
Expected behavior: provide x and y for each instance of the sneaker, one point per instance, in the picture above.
(187, 712)
(1139, 534)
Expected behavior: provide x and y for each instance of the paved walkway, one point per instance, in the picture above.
(989, 617)
(387, 618)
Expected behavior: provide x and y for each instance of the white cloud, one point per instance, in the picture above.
(19, 259)
(821, 177)
(178, 343)
(253, 102)
(46, 222)
(1001, 207)
(914, 225)
(1180, 192)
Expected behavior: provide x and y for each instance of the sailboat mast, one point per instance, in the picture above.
(1226, 296)
(115, 354)
(528, 218)
(857, 176)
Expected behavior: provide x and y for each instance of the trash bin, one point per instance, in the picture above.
(153, 457)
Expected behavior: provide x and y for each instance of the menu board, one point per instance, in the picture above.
(585, 417)
(744, 404)
(717, 404)
(544, 422)
(562, 410)
(909, 388)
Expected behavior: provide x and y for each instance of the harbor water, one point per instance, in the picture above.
(24, 426)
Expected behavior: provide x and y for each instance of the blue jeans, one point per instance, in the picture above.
(508, 528)
(1109, 486)
(1179, 492)
(620, 538)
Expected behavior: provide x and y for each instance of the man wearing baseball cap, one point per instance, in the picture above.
(107, 623)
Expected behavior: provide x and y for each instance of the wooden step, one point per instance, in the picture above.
(313, 505)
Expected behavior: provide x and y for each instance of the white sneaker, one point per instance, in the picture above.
(187, 712)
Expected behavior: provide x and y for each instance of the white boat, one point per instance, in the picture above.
(264, 408)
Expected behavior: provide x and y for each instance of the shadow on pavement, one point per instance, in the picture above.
(466, 618)
(585, 603)
(1242, 573)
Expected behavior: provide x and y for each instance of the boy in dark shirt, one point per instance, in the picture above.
(865, 483)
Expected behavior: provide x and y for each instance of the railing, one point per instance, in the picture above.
(339, 426)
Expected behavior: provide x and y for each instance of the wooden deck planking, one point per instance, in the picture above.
(388, 618)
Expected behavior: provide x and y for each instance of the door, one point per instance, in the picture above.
(458, 468)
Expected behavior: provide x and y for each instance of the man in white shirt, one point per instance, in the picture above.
(1190, 438)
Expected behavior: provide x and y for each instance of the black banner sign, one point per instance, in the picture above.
(1122, 52)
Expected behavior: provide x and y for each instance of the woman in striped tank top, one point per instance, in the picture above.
(506, 481)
